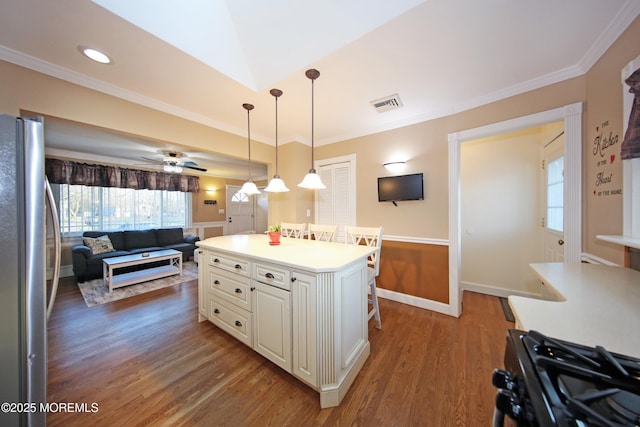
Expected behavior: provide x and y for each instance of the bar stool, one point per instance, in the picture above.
(289, 229)
(325, 233)
(370, 236)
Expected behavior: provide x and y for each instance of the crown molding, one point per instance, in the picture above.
(53, 70)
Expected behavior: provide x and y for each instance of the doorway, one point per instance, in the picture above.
(246, 214)
(503, 209)
(572, 117)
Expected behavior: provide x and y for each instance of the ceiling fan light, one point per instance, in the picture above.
(249, 188)
(172, 168)
(312, 181)
(276, 185)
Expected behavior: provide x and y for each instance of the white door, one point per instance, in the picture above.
(336, 204)
(553, 217)
(240, 208)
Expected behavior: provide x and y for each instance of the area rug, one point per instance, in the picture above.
(96, 292)
(508, 314)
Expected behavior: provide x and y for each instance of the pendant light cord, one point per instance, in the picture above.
(277, 136)
(312, 130)
(248, 107)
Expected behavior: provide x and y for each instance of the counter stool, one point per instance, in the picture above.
(370, 236)
(294, 230)
(325, 233)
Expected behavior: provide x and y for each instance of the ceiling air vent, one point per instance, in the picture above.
(387, 103)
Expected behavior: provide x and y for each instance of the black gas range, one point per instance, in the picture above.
(550, 382)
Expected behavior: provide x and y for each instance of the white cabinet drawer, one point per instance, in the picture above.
(230, 287)
(272, 275)
(231, 319)
(228, 263)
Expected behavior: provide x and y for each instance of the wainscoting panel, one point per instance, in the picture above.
(416, 269)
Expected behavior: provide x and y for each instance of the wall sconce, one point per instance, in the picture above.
(395, 166)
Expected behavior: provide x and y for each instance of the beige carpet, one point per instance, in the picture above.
(96, 292)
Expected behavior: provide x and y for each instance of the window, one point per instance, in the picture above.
(85, 208)
(239, 197)
(555, 187)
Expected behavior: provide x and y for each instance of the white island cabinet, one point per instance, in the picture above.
(301, 304)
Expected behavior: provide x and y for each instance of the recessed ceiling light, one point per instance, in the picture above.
(95, 54)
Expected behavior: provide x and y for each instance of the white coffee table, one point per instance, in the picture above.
(173, 267)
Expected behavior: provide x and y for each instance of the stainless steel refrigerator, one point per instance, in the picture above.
(24, 196)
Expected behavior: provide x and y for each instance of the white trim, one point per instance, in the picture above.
(592, 259)
(413, 301)
(200, 226)
(420, 240)
(572, 116)
(495, 291)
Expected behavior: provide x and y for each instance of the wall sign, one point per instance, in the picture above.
(605, 153)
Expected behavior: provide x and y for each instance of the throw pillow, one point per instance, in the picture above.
(99, 245)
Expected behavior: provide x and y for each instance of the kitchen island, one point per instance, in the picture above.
(589, 304)
(302, 304)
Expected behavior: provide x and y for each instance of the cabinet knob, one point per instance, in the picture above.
(238, 291)
(238, 267)
(216, 260)
(269, 276)
(216, 311)
(293, 279)
(253, 288)
(238, 323)
(216, 282)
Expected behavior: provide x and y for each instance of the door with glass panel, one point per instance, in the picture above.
(240, 211)
(553, 217)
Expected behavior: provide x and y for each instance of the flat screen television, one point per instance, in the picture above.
(401, 187)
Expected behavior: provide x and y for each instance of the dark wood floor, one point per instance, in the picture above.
(147, 361)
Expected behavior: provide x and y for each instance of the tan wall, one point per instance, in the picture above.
(603, 201)
(424, 144)
(26, 90)
(426, 148)
(294, 161)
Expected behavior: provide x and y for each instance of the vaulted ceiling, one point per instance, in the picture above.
(202, 59)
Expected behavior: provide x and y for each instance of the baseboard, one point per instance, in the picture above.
(495, 291)
(592, 259)
(414, 301)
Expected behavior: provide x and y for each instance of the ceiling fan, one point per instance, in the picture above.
(173, 161)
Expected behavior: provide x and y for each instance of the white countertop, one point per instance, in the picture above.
(620, 240)
(598, 305)
(309, 255)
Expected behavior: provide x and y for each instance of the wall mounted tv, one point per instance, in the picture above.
(401, 187)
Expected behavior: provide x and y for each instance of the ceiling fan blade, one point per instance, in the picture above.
(152, 160)
(194, 168)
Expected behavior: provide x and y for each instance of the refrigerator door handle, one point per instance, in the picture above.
(56, 237)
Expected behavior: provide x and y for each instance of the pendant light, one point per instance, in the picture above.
(276, 185)
(249, 187)
(312, 179)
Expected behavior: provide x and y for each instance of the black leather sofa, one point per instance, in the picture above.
(87, 265)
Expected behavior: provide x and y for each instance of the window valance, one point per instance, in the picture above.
(75, 173)
(630, 148)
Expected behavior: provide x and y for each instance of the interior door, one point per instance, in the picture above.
(553, 217)
(240, 210)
